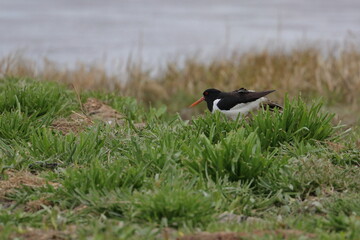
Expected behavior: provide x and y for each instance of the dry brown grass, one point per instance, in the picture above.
(12, 180)
(17, 179)
(334, 75)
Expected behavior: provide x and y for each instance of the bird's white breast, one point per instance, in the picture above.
(241, 108)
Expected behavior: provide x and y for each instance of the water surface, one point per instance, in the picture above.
(155, 30)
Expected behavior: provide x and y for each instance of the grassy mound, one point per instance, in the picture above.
(152, 175)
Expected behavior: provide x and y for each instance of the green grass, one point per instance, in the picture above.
(124, 182)
(35, 98)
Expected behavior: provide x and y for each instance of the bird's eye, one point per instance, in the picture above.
(206, 93)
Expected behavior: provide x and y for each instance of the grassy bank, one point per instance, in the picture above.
(78, 165)
(333, 74)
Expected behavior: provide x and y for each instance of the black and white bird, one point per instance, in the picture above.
(241, 101)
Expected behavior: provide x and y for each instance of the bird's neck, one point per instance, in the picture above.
(210, 105)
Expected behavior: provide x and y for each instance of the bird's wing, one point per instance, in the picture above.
(231, 99)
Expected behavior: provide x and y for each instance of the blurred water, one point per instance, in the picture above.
(155, 30)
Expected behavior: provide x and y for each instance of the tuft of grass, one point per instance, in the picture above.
(309, 176)
(11, 218)
(238, 156)
(348, 205)
(297, 122)
(46, 145)
(214, 126)
(173, 206)
(103, 178)
(33, 97)
(158, 154)
(350, 156)
(16, 126)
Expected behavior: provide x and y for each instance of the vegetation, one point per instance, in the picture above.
(142, 172)
(332, 73)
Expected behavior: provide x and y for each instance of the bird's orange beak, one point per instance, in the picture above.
(197, 102)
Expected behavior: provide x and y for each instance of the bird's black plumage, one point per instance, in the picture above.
(229, 100)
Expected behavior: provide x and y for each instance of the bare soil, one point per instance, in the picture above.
(94, 109)
(17, 179)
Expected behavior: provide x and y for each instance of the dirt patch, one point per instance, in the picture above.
(231, 217)
(17, 179)
(75, 123)
(290, 233)
(98, 110)
(80, 208)
(14, 180)
(36, 205)
(283, 233)
(48, 234)
(93, 110)
(337, 147)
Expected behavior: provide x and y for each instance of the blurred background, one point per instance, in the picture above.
(160, 49)
(153, 31)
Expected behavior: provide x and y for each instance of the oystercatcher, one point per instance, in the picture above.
(241, 101)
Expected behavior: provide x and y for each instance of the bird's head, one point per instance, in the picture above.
(209, 95)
